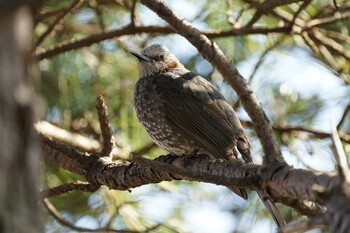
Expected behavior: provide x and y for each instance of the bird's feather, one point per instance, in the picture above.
(194, 105)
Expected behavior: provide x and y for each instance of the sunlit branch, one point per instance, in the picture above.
(331, 44)
(301, 8)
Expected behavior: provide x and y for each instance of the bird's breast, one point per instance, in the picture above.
(149, 107)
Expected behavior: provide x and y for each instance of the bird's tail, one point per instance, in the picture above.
(271, 207)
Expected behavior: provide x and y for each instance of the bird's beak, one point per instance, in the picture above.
(140, 56)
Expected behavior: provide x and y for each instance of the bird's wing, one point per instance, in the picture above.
(196, 107)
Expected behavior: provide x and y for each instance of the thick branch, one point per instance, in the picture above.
(282, 182)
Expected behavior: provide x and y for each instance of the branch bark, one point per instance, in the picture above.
(277, 180)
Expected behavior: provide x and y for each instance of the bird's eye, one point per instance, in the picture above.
(161, 58)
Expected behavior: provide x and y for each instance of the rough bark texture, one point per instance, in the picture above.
(19, 158)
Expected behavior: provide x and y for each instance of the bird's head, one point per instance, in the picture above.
(157, 59)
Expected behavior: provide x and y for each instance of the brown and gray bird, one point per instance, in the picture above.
(186, 114)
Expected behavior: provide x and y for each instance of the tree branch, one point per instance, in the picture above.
(340, 157)
(73, 139)
(107, 135)
(56, 214)
(282, 182)
(66, 188)
(345, 113)
(317, 133)
(133, 30)
(60, 16)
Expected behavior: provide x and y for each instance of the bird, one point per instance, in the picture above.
(185, 114)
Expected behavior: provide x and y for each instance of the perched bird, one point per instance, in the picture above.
(186, 114)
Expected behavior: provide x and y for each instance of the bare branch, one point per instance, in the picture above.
(340, 156)
(301, 8)
(56, 214)
(60, 16)
(328, 20)
(345, 113)
(132, 30)
(107, 135)
(331, 44)
(306, 225)
(67, 188)
(132, 12)
(76, 140)
(266, 7)
(282, 181)
(316, 133)
(260, 62)
(262, 57)
(335, 35)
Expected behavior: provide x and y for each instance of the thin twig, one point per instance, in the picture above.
(145, 149)
(260, 62)
(94, 5)
(73, 44)
(67, 188)
(316, 133)
(328, 20)
(41, 16)
(106, 131)
(345, 113)
(265, 8)
(229, 12)
(133, 12)
(301, 8)
(309, 42)
(335, 35)
(303, 226)
(340, 156)
(331, 44)
(60, 16)
(56, 214)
